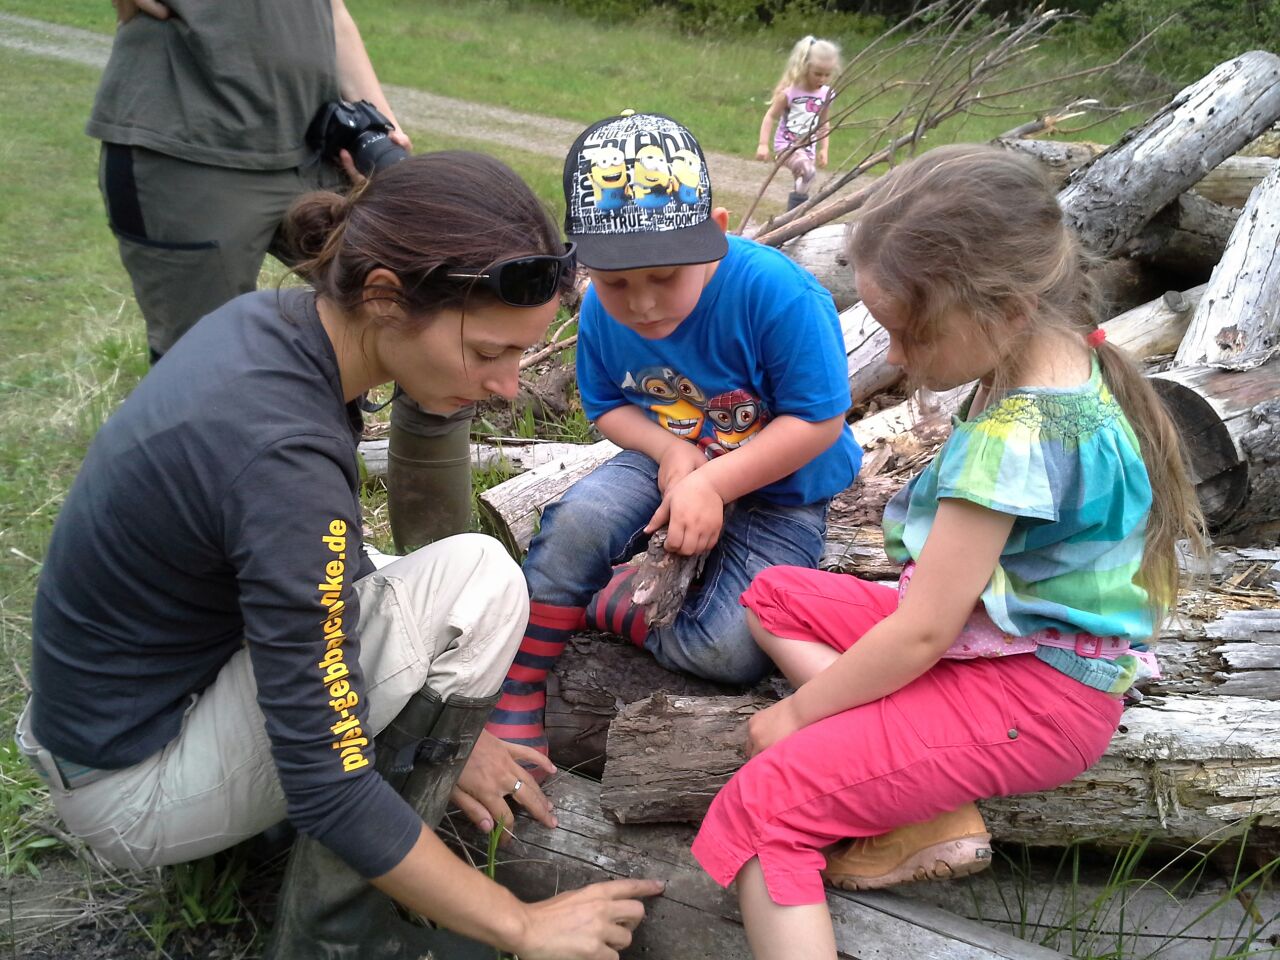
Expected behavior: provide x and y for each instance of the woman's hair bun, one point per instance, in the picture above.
(311, 221)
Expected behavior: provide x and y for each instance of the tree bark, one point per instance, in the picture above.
(1237, 325)
(1108, 201)
(1230, 426)
(1183, 769)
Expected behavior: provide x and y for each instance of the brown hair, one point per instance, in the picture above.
(978, 230)
(427, 214)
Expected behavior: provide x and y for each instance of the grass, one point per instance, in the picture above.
(74, 337)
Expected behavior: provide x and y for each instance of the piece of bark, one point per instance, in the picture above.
(1237, 324)
(1109, 200)
(696, 919)
(1181, 769)
(1229, 423)
(662, 580)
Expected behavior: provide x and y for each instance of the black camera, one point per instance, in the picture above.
(360, 129)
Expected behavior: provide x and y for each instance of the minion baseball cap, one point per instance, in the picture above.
(637, 194)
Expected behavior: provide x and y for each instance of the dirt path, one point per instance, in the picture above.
(734, 178)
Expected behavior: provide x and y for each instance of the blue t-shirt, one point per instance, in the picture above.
(763, 341)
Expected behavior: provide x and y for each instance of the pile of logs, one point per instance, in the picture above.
(1198, 760)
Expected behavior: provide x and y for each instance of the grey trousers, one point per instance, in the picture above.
(194, 236)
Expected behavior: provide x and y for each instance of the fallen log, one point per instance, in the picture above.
(1210, 650)
(1187, 238)
(1181, 769)
(595, 676)
(1109, 200)
(1237, 325)
(1230, 427)
(1156, 328)
(514, 507)
(516, 457)
(823, 251)
(695, 919)
(1228, 184)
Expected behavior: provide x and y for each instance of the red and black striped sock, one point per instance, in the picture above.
(612, 610)
(518, 717)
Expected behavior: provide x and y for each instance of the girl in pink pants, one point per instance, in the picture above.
(1039, 553)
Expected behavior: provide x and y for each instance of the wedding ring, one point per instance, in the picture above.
(516, 788)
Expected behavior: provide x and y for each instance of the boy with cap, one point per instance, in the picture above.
(718, 365)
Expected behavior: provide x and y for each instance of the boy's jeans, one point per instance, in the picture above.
(600, 522)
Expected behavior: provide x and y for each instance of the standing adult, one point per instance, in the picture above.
(203, 112)
(212, 650)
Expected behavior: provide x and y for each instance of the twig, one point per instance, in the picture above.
(547, 351)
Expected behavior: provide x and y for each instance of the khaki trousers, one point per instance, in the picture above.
(449, 616)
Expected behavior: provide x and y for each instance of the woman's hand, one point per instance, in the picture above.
(593, 923)
(679, 460)
(693, 513)
(492, 770)
(772, 724)
(126, 10)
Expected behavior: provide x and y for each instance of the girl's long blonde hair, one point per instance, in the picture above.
(977, 230)
(806, 51)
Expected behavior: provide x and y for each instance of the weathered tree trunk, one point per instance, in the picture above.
(1181, 769)
(695, 919)
(1228, 184)
(823, 252)
(865, 345)
(1188, 237)
(1155, 328)
(1237, 325)
(1236, 654)
(1108, 201)
(592, 680)
(515, 506)
(1230, 427)
(518, 457)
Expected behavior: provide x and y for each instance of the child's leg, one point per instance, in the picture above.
(598, 522)
(782, 933)
(804, 619)
(709, 637)
(803, 168)
(964, 731)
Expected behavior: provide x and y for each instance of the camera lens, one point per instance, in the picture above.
(374, 150)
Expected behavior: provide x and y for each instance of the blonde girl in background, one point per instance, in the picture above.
(797, 115)
(1039, 551)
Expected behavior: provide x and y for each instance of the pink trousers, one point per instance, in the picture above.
(964, 731)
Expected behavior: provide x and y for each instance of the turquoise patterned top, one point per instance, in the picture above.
(1066, 464)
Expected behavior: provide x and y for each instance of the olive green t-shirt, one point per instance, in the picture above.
(232, 83)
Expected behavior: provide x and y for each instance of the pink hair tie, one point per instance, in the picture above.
(1095, 338)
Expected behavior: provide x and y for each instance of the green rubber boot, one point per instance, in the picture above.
(329, 912)
(428, 475)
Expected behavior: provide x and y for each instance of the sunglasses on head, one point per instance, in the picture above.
(524, 281)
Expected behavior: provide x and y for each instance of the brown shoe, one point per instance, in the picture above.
(954, 844)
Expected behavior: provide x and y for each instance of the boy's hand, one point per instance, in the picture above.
(693, 513)
(679, 460)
